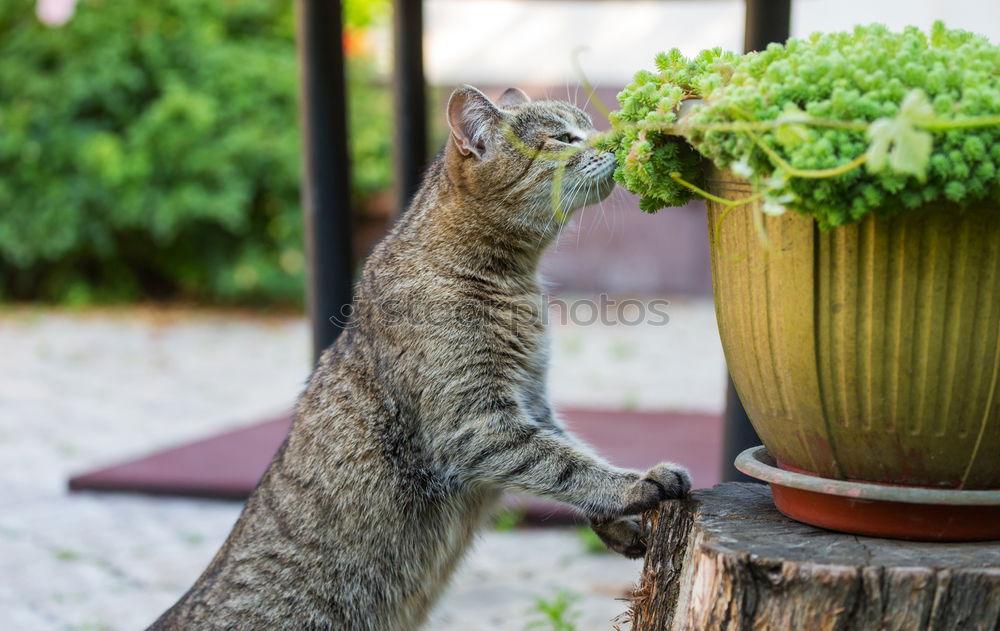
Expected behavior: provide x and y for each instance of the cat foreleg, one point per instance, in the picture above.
(545, 461)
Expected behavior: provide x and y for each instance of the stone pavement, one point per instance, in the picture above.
(82, 389)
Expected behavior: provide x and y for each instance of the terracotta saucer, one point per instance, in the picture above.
(878, 510)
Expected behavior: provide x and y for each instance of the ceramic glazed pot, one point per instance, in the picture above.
(870, 351)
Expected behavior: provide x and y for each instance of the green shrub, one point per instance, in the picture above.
(834, 126)
(152, 149)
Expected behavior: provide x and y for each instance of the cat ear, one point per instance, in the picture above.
(512, 97)
(473, 120)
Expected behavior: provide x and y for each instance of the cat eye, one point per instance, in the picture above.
(569, 139)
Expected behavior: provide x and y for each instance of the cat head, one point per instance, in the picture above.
(528, 162)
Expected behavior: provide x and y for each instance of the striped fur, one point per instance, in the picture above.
(429, 404)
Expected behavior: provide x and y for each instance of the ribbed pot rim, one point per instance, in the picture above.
(758, 463)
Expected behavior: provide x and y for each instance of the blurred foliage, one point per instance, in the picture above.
(590, 541)
(508, 519)
(362, 14)
(151, 149)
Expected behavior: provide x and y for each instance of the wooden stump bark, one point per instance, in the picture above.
(727, 560)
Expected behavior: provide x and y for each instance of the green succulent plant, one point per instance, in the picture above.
(834, 126)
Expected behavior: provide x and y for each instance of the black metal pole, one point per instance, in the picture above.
(766, 21)
(410, 98)
(326, 192)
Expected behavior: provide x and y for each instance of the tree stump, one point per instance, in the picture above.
(726, 559)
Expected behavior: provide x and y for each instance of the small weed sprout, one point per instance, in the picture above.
(555, 614)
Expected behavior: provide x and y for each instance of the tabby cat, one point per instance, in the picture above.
(432, 401)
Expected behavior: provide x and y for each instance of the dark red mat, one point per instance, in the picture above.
(229, 465)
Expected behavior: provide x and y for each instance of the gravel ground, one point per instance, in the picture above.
(78, 390)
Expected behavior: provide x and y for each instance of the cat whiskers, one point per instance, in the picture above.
(594, 184)
(586, 103)
(569, 200)
(537, 205)
(585, 185)
(604, 217)
(600, 204)
(583, 214)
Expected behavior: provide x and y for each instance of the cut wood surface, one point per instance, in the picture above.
(726, 559)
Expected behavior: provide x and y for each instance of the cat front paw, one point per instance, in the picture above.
(625, 535)
(673, 481)
(665, 481)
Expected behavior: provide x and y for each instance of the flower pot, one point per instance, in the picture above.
(869, 352)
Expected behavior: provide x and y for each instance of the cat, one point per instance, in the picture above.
(432, 401)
